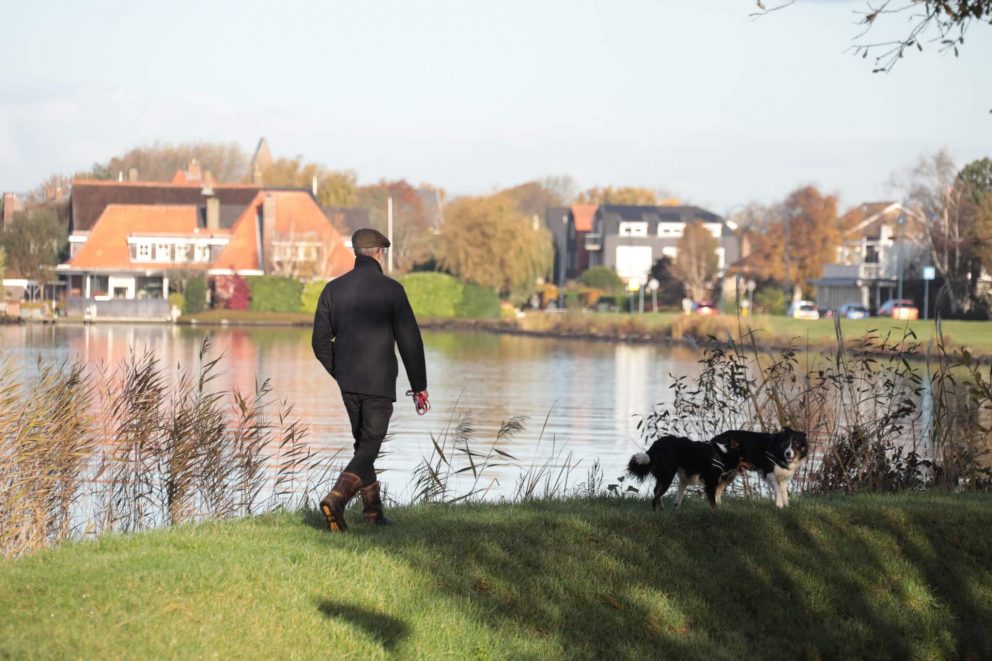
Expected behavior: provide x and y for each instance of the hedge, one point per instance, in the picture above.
(441, 296)
(477, 302)
(196, 296)
(273, 293)
(311, 292)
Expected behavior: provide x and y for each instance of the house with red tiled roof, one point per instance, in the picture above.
(129, 238)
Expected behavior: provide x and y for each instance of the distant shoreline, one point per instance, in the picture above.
(772, 333)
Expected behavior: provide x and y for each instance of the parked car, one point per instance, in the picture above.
(899, 308)
(803, 310)
(703, 307)
(852, 311)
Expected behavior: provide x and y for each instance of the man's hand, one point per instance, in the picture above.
(421, 401)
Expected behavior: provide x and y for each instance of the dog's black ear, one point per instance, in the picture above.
(788, 430)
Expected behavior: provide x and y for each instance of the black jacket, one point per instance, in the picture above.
(360, 318)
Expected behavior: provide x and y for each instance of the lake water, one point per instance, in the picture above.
(590, 392)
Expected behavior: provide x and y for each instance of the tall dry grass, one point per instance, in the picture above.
(883, 412)
(87, 451)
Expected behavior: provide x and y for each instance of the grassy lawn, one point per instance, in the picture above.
(977, 335)
(860, 577)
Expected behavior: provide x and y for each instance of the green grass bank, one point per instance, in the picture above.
(858, 577)
(774, 331)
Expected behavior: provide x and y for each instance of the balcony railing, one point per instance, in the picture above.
(594, 242)
(872, 271)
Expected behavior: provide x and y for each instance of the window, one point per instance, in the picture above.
(163, 252)
(628, 228)
(99, 285)
(144, 252)
(670, 251)
(184, 252)
(671, 230)
(203, 253)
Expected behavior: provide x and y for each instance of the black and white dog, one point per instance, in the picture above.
(774, 456)
(711, 464)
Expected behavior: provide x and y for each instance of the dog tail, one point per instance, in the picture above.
(639, 466)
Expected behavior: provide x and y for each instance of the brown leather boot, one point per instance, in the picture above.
(333, 504)
(372, 505)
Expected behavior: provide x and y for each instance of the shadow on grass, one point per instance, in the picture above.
(315, 519)
(388, 630)
(836, 579)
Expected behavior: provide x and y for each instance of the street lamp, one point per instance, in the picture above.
(653, 285)
(899, 258)
(786, 221)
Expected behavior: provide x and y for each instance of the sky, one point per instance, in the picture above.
(695, 98)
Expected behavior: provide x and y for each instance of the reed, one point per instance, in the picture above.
(84, 451)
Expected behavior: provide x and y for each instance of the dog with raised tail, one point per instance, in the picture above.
(712, 465)
(773, 455)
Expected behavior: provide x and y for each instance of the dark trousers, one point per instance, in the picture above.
(369, 416)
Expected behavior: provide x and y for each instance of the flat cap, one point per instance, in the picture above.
(369, 238)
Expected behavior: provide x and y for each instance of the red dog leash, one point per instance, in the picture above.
(420, 401)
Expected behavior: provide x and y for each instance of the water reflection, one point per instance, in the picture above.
(588, 391)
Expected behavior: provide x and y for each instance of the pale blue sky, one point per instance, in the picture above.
(694, 96)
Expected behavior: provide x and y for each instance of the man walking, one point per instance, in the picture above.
(361, 317)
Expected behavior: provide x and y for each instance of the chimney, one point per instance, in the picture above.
(193, 171)
(213, 214)
(314, 185)
(9, 206)
(132, 174)
(268, 229)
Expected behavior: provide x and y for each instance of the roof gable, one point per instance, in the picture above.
(90, 198)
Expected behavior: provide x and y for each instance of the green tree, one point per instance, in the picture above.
(671, 291)
(696, 262)
(975, 184)
(976, 177)
(603, 278)
(486, 240)
(33, 242)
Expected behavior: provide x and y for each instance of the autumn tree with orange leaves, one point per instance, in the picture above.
(801, 238)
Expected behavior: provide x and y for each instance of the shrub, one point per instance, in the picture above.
(177, 300)
(274, 293)
(441, 296)
(311, 294)
(196, 296)
(603, 278)
(240, 296)
(433, 295)
(770, 300)
(477, 302)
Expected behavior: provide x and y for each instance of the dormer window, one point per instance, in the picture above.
(630, 228)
